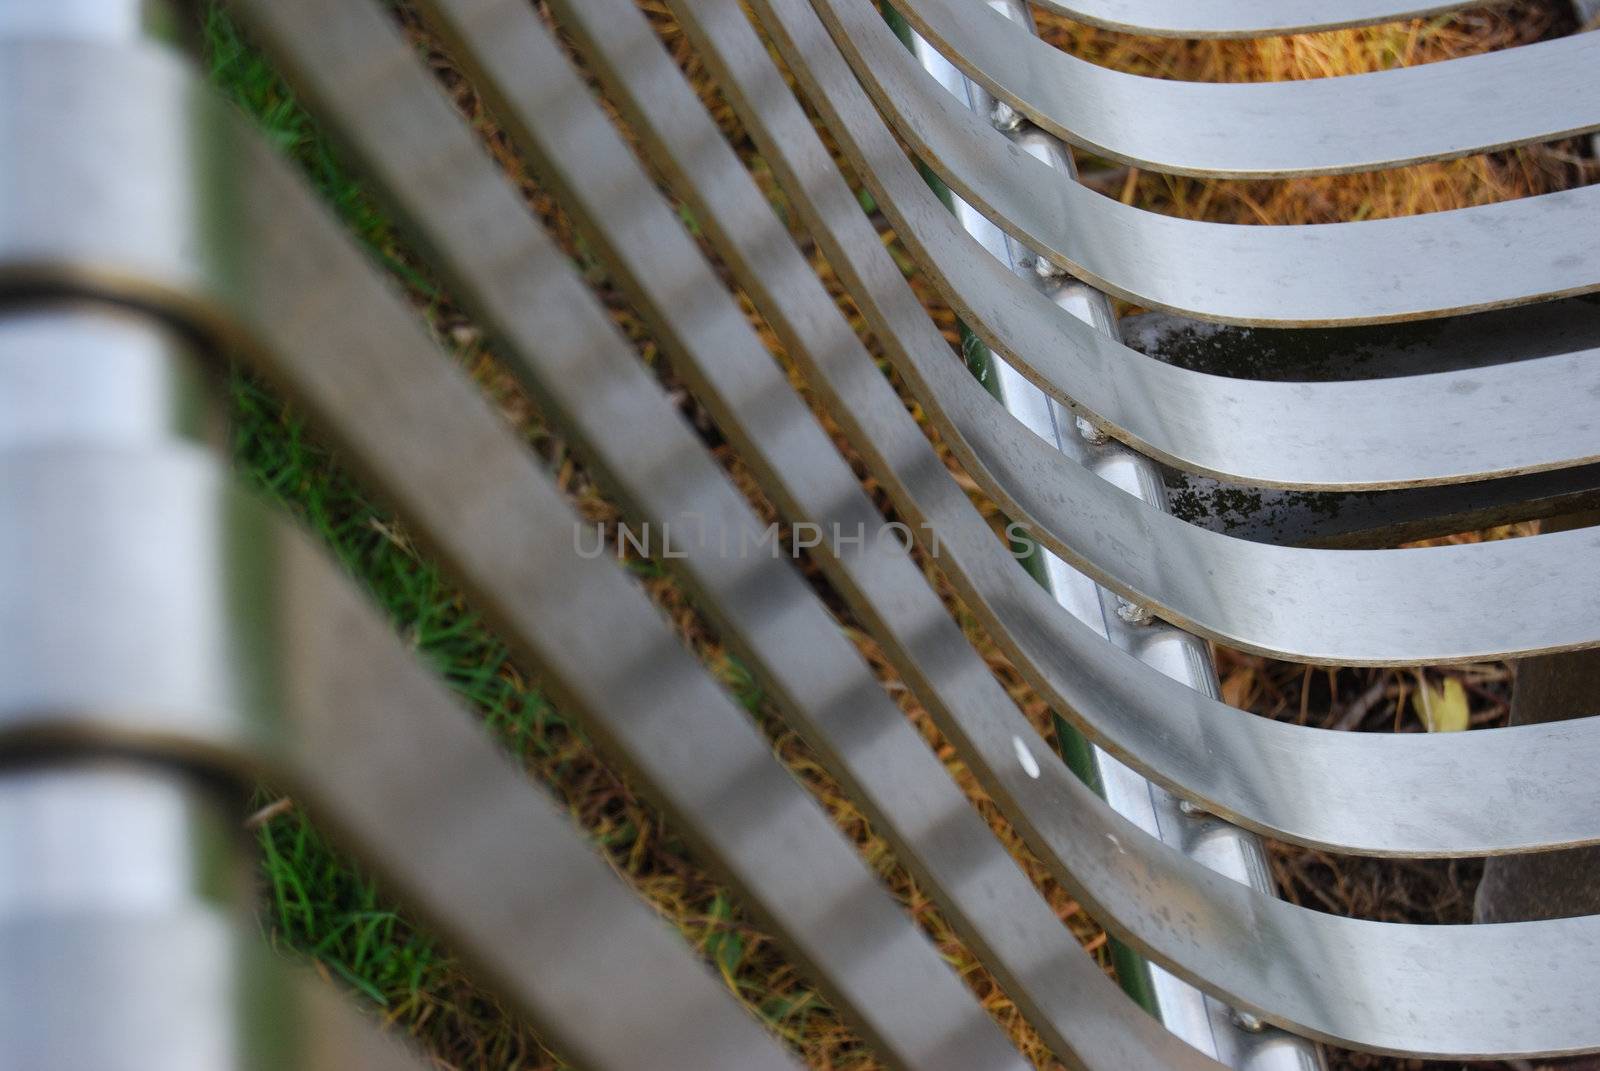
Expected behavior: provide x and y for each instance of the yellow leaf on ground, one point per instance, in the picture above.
(1442, 710)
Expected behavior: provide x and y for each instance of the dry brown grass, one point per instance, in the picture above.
(1406, 191)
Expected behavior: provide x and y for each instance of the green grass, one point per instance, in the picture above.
(318, 903)
(245, 77)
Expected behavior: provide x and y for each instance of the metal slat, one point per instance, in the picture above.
(1544, 91)
(500, 32)
(120, 888)
(1016, 611)
(122, 881)
(1366, 820)
(1368, 519)
(502, 35)
(1450, 426)
(1246, 595)
(804, 62)
(191, 991)
(1380, 351)
(307, 307)
(1373, 967)
(1365, 815)
(104, 20)
(1143, 715)
(1204, 1022)
(1181, 738)
(1527, 415)
(305, 688)
(796, 474)
(1435, 428)
(910, 797)
(1371, 271)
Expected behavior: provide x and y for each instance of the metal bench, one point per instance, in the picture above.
(162, 233)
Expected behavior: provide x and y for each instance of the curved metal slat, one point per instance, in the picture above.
(575, 147)
(1377, 607)
(1437, 428)
(1343, 787)
(123, 550)
(830, 693)
(1371, 271)
(1441, 427)
(799, 55)
(496, 26)
(1379, 351)
(1318, 126)
(1344, 608)
(1118, 865)
(97, 243)
(1201, 1020)
(303, 303)
(1244, 18)
(1329, 789)
(1363, 520)
(1125, 706)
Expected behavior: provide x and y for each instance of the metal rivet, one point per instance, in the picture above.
(1133, 613)
(1004, 117)
(1045, 268)
(1250, 1024)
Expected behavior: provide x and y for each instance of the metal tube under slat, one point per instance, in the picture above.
(124, 880)
(1204, 1022)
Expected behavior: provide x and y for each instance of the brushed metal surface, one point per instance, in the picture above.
(1138, 552)
(466, 486)
(110, 837)
(1370, 271)
(805, 664)
(1187, 1011)
(1247, 975)
(1056, 650)
(351, 726)
(1127, 707)
(1544, 91)
(125, 21)
(125, 949)
(261, 276)
(84, 371)
(726, 364)
(1439, 428)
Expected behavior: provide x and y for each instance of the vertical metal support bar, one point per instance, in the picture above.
(103, 20)
(122, 883)
(120, 887)
(1205, 1023)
